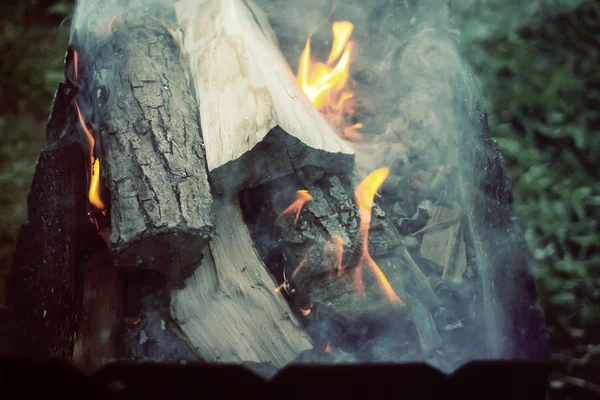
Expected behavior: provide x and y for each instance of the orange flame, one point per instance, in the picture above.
(306, 312)
(75, 63)
(326, 84)
(94, 190)
(302, 196)
(365, 194)
(328, 348)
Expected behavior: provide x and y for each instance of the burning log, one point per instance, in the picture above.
(44, 284)
(257, 123)
(152, 149)
(228, 309)
(321, 257)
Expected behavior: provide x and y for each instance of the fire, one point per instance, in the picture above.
(94, 189)
(302, 196)
(326, 84)
(365, 194)
(351, 132)
(306, 312)
(328, 348)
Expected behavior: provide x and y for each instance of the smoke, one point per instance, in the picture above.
(414, 87)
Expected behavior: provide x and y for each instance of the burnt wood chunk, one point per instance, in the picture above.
(100, 315)
(318, 254)
(43, 286)
(152, 153)
(229, 309)
(258, 124)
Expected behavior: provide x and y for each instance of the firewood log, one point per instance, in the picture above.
(228, 309)
(152, 152)
(44, 284)
(257, 123)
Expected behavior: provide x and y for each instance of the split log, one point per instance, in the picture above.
(43, 286)
(152, 150)
(257, 123)
(100, 315)
(228, 309)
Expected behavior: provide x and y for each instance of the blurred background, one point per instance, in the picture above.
(537, 63)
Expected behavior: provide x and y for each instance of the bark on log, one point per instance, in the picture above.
(100, 315)
(152, 150)
(43, 287)
(228, 308)
(257, 123)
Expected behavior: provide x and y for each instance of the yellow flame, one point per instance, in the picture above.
(365, 194)
(326, 84)
(94, 189)
(94, 194)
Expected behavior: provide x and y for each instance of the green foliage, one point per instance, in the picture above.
(32, 51)
(542, 85)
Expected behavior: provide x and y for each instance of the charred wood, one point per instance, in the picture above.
(100, 315)
(44, 285)
(147, 332)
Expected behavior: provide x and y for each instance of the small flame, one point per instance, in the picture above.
(304, 260)
(137, 321)
(306, 312)
(302, 196)
(326, 84)
(278, 288)
(75, 63)
(94, 189)
(365, 194)
(328, 348)
(351, 132)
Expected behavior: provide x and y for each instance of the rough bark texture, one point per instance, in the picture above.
(43, 287)
(515, 324)
(229, 309)
(152, 149)
(100, 316)
(257, 123)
